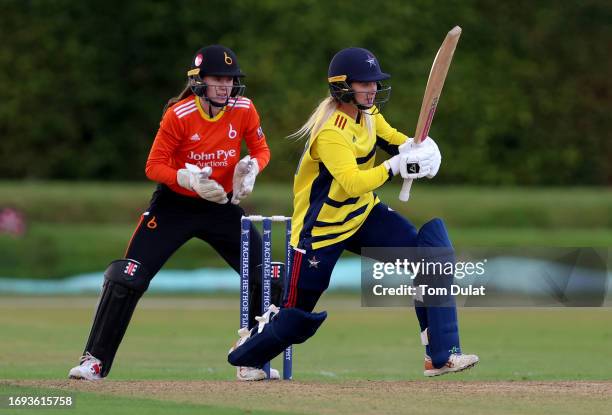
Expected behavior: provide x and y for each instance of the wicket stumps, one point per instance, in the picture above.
(266, 275)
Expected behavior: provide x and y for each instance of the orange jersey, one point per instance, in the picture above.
(188, 135)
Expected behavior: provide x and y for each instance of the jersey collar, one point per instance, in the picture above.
(203, 113)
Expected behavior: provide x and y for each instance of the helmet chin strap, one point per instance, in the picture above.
(212, 103)
(367, 110)
(354, 103)
(358, 105)
(216, 104)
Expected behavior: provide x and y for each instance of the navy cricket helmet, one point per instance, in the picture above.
(356, 64)
(214, 60)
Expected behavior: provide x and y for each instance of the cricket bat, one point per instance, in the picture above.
(435, 82)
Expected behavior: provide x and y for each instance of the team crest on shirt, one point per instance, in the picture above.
(195, 137)
(313, 262)
(232, 133)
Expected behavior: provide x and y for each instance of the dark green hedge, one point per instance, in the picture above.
(527, 100)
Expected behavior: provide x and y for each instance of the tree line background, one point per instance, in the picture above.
(527, 100)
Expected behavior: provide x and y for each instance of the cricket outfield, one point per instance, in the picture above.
(363, 360)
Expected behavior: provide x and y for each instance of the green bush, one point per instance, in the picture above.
(527, 100)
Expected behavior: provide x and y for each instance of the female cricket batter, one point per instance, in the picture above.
(335, 209)
(195, 158)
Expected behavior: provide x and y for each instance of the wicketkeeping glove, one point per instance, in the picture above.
(245, 172)
(196, 179)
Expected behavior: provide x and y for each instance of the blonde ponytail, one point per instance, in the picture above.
(321, 114)
(315, 122)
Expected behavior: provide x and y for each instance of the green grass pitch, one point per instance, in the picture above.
(363, 360)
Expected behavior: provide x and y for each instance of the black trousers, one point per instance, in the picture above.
(170, 221)
(173, 219)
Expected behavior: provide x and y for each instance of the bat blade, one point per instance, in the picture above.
(431, 97)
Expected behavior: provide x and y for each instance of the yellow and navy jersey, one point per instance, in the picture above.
(334, 183)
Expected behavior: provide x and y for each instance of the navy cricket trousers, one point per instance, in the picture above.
(311, 270)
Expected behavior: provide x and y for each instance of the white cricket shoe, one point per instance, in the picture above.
(89, 368)
(456, 363)
(246, 373)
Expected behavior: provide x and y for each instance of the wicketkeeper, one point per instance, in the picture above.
(195, 158)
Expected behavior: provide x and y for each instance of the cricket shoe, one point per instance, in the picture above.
(245, 373)
(88, 368)
(456, 363)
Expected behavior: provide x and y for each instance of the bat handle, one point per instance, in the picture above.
(405, 192)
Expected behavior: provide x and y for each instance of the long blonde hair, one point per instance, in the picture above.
(321, 114)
